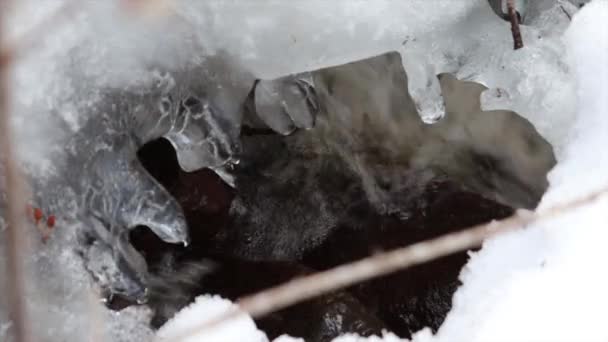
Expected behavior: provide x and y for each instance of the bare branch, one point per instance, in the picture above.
(307, 287)
(15, 235)
(514, 18)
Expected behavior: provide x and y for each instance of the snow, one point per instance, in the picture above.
(209, 308)
(242, 328)
(287, 338)
(387, 337)
(519, 286)
(545, 282)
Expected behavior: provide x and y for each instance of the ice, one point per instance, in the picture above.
(86, 100)
(316, 34)
(85, 167)
(291, 95)
(439, 36)
(480, 49)
(461, 37)
(102, 185)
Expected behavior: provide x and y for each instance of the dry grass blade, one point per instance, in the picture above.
(307, 287)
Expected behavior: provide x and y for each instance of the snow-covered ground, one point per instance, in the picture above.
(543, 283)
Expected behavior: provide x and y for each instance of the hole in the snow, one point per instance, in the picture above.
(299, 209)
(202, 194)
(404, 303)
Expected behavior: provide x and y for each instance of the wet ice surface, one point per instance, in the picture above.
(111, 189)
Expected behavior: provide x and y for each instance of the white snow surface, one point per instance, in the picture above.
(206, 309)
(547, 281)
(185, 326)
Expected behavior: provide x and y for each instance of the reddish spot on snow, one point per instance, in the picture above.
(37, 215)
(50, 221)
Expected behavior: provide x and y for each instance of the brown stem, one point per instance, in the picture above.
(15, 235)
(517, 41)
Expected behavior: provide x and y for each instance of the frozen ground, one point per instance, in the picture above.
(519, 287)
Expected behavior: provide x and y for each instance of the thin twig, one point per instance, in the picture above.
(307, 287)
(15, 235)
(517, 41)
